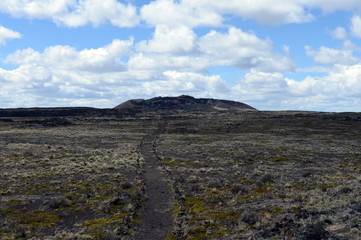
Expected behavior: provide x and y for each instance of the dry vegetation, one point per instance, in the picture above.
(265, 176)
(250, 175)
(78, 181)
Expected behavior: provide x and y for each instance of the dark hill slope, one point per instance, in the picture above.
(184, 103)
(130, 107)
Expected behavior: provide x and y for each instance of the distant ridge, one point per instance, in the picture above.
(134, 106)
(184, 102)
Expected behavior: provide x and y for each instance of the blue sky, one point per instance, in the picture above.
(271, 54)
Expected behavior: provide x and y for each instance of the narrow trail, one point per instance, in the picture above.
(156, 220)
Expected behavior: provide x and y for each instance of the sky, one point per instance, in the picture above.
(270, 54)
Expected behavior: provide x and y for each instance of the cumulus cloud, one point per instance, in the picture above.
(35, 8)
(339, 33)
(329, 6)
(170, 40)
(127, 69)
(104, 59)
(179, 83)
(344, 82)
(64, 76)
(327, 55)
(271, 12)
(356, 26)
(6, 34)
(74, 13)
(265, 82)
(33, 84)
(175, 59)
(168, 62)
(190, 13)
(170, 13)
(180, 48)
(338, 90)
(202, 12)
(243, 50)
(100, 12)
(25, 75)
(194, 13)
(261, 90)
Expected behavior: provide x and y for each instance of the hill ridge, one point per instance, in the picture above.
(184, 102)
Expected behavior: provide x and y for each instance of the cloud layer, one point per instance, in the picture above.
(99, 77)
(74, 13)
(191, 13)
(176, 59)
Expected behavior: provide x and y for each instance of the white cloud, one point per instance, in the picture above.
(329, 6)
(337, 91)
(178, 83)
(116, 70)
(200, 83)
(168, 62)
(339, 33)
(233, 43)
(271, 12)
(243, 50)
(340, 89)
(349, 45)
(346, 81)
(74, 13)
(356, 26)
(6, 34)
(204, 12)
(25, 75)
(170, 13)
(65, 76)
(104, 59)
(180, 49)
(286, 49)
(100, 12)
(174, 62)
(265, 82)
(194, 13)
(35, 8)
(169, 40)
(35, 85)
(327, 55)
(190, 13)
(261, 90)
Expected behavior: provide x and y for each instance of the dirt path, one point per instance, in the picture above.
(156, 221)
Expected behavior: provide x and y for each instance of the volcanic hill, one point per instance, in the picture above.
(184, 103)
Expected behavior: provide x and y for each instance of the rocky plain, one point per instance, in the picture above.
(83, 173)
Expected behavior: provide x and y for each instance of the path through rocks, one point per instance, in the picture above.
(156, 220)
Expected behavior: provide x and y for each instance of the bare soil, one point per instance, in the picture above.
(156, 221)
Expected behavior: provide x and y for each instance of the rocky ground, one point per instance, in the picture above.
(245, 175)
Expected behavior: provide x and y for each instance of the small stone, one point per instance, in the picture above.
(127, 185)
(336, 228)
